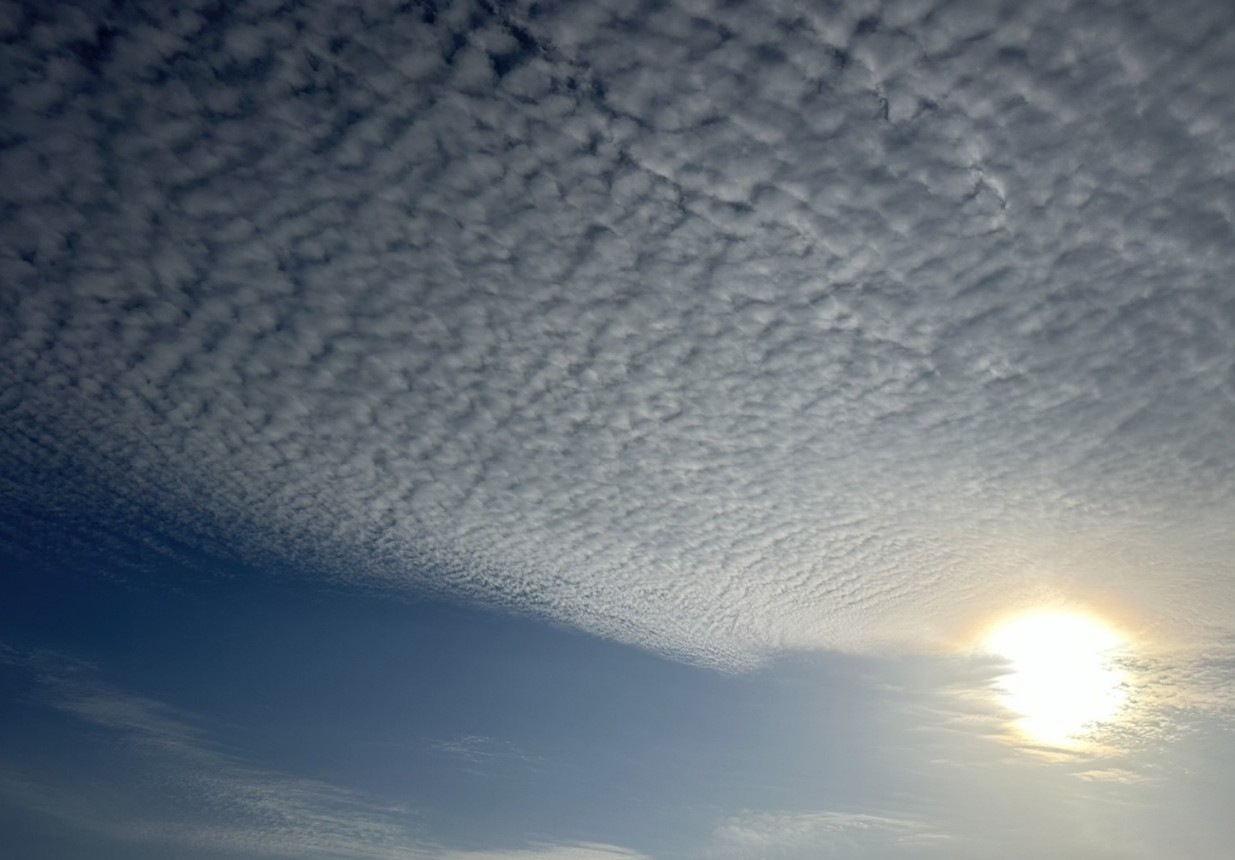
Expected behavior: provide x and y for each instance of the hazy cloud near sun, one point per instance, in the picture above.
(716, 328)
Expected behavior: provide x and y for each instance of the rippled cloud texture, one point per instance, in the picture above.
(722, 329)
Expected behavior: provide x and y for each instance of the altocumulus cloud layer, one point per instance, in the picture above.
(718, 328)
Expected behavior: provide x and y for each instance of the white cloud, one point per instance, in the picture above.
(786, 835)
(721, 330)
(478, 752)
(582, 851)
(180, 789)
(223, 803)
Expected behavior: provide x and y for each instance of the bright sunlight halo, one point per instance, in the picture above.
(1062, 681)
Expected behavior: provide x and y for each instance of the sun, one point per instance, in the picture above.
(1062, 681)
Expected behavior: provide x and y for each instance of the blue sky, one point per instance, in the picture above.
(563, 431)
(257, 718)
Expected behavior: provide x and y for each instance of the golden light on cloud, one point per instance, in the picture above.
(1063, 681)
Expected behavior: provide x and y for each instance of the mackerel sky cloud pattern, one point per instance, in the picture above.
(722, 329)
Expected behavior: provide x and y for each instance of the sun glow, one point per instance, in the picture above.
(1062, 680)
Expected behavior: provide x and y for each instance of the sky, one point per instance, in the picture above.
(617, 430)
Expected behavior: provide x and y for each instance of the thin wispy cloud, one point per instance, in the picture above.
(183, 789)
(719, 329)
(784, 835)
(226, 804)
(478, 752)
(581, 851)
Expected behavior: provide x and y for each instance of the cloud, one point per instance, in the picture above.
(224, 803)
(581, 851)
(823, 834)
(720, 329)
(478, 752)
(181, 789)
